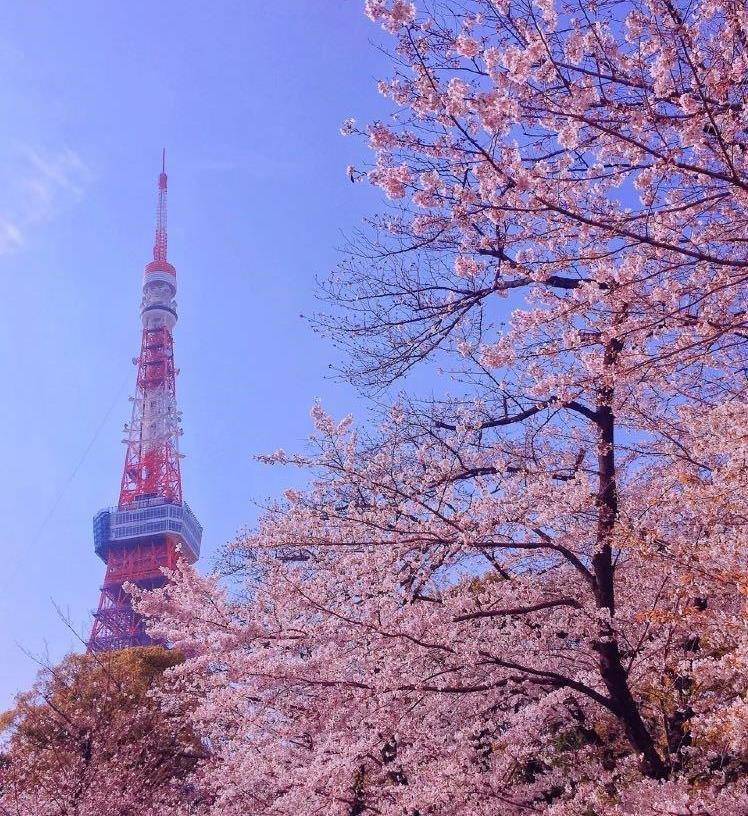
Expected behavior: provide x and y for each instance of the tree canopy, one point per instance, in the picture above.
(528, 594)
(90, 738)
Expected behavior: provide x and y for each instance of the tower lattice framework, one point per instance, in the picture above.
(152, 526)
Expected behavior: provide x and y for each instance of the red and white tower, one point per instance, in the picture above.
(152, 526)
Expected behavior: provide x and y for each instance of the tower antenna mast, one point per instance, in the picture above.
(160, 243)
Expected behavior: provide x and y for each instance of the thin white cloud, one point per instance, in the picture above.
(34, 186)
(10, 236)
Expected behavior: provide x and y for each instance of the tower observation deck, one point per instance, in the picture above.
(151, 527)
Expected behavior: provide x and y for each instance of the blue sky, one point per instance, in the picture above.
(248, 97)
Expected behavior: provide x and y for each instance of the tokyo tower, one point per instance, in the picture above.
(151, 527)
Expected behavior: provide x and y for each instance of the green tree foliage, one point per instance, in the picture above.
(92, 737)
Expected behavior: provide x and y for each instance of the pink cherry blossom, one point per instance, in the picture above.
(466, 46)
(466, 267)
(393, 180)
(392, 16)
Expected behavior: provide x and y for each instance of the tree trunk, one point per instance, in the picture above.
(611, 666)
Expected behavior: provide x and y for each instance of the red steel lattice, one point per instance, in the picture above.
(151, 476)
(152, 458)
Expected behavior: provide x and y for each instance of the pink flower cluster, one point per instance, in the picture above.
(392, 16)
(393, 180)
(467, 267)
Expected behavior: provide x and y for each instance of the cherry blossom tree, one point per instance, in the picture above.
(527, 595)
(396, 655)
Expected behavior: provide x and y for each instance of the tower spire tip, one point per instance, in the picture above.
(159, 245)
